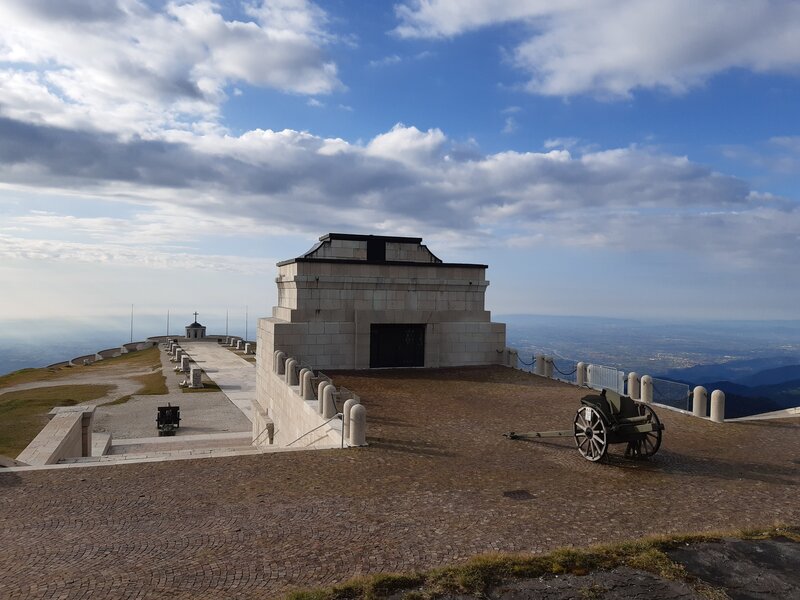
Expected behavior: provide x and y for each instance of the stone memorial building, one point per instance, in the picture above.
(368, 301)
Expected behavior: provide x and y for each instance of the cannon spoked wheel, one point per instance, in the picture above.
(591, 435)
(649, 444)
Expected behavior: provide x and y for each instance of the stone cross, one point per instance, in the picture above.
(195, 316)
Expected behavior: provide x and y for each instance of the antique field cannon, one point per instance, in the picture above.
(168, 419)
(609, 418)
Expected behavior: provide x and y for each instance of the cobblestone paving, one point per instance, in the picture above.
(431, 489)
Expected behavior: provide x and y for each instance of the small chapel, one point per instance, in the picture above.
(195, 330)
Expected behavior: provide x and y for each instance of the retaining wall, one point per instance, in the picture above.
(292, 416)
(67, 435)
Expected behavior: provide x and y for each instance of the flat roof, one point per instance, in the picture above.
(394, 263)
(364, 237)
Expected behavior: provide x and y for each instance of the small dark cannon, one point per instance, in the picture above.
(609, 418)
(168, 419)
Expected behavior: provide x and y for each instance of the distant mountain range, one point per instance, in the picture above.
(749, 387)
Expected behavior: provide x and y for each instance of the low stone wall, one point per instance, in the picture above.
(109, 353)
(86, 359)
(67, 435)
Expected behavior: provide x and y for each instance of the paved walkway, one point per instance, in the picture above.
(202, 413)
(235, 376)
(437, 484)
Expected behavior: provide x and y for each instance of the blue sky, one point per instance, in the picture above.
(613, 158)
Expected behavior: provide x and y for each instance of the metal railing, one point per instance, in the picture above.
(334, 417)
(599, 377)
(672, 393)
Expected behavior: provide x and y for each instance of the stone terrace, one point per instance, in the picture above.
(437, 484)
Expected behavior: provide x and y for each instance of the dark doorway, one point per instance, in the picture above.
(396, 345)
(376, 250)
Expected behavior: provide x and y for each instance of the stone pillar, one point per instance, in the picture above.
(647, 389)
(321, 394)
(358, 426)
(348, 405)
(291, 375)
(280, 363)
(185, 363)
(548, 367)
(699, 401)
(718, 406)
(634, 388)
(538, 365)
(306, 389)
(248, 348)
(177, 355)
(238, 344)
(580, 374)
(328, 405)
(196, 377)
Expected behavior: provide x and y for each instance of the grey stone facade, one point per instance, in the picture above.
(336, 299)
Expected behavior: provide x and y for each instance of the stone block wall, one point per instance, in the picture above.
(292, 416)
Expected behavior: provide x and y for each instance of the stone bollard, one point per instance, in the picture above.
(195, 377)
(512, 358)
(328, 405)
(306, 389)
(699, 401)
(634, 386)
(718, 406)
(580, 374)
(548, 367)
(538, 365)
(291, 374)
(300, 376)
(248, 348)
(238, 344)
(185, 363)
(321, 392)
(280, 363)
(348, 405)
(647, 389)
(358, 426)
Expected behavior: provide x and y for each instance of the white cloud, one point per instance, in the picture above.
(121, 255)
(130, 68)
(510, 125)
(612, 47)
(386, 61)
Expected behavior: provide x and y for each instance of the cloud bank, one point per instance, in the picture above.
(613, 47)
(402, 181)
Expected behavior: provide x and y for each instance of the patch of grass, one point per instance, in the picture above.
(23, 413)
(152, 384)
(481, 573)
(143, 359)
(208, 386)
